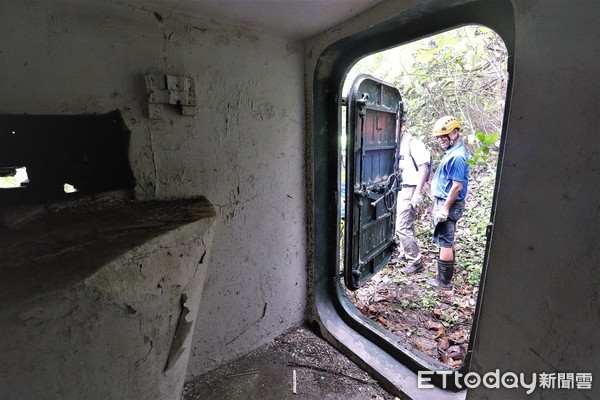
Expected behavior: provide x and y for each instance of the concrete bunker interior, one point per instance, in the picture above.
(258, 151)
(90, 276)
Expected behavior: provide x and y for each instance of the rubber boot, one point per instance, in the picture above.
(433, 267)
(444, 275)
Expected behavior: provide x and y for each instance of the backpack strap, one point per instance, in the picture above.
(410, 154)
(415, 163)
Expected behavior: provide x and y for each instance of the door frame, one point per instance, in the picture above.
(331, 312)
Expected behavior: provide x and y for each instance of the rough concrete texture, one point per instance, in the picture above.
(243, 150)
(268, 374)
(99, 299)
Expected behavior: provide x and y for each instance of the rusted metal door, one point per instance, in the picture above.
(372, 177)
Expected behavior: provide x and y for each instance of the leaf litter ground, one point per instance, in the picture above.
(421, 318)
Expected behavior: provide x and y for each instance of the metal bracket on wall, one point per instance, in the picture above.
(167, 89)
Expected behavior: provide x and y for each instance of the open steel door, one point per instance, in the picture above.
(372, 177)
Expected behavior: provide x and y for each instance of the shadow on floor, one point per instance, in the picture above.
(268, 374)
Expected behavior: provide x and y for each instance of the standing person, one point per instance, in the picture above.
(414, 165)
(449, 188)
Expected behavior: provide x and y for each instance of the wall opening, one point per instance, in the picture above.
(460, 72)
(364, 340)
(13, 177)
(48, 157)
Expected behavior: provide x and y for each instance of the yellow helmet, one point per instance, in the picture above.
(445, 125)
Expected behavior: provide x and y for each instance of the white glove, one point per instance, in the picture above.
(416, 201)
(441, 215)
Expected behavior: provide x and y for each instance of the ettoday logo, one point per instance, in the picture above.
(508, 380)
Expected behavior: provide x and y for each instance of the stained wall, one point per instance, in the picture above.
(243, 149)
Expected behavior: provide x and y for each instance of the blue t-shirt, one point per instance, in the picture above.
(453, 167)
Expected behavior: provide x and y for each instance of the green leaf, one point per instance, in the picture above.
(491, 138)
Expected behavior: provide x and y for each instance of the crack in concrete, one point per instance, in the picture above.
(264, 312)
(153, 160)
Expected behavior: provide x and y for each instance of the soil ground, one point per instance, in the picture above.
(434, 321)
(424, 319)
(321, 372)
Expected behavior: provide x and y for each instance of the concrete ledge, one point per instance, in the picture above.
(98, 300)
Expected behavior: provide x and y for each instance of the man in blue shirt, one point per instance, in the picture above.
(449, 189)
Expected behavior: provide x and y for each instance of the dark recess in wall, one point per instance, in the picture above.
(89, 152)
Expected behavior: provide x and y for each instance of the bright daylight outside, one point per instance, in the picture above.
(460, 73)
(12, 177)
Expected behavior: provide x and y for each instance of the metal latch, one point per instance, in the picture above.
(174, 90)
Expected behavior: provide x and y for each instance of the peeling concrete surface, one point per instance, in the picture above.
(99, 298)
(243, 150)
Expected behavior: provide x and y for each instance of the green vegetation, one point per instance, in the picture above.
(462, 73)
(430, 299)
(472, 228)
(482, 153)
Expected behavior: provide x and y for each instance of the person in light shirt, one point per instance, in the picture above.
(414, 166)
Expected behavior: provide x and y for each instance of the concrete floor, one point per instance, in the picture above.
(268, 373)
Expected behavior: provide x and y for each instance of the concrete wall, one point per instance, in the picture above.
(243, 149)
(99, 299)
(541, 294)
(244, 152)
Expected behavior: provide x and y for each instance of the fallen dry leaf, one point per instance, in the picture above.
(396, 302)
(434, 325)
(444, 357)
(443, 343)
(456, 352)
(459, 337)
(384, 322)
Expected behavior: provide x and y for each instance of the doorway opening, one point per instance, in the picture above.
(461, 72)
